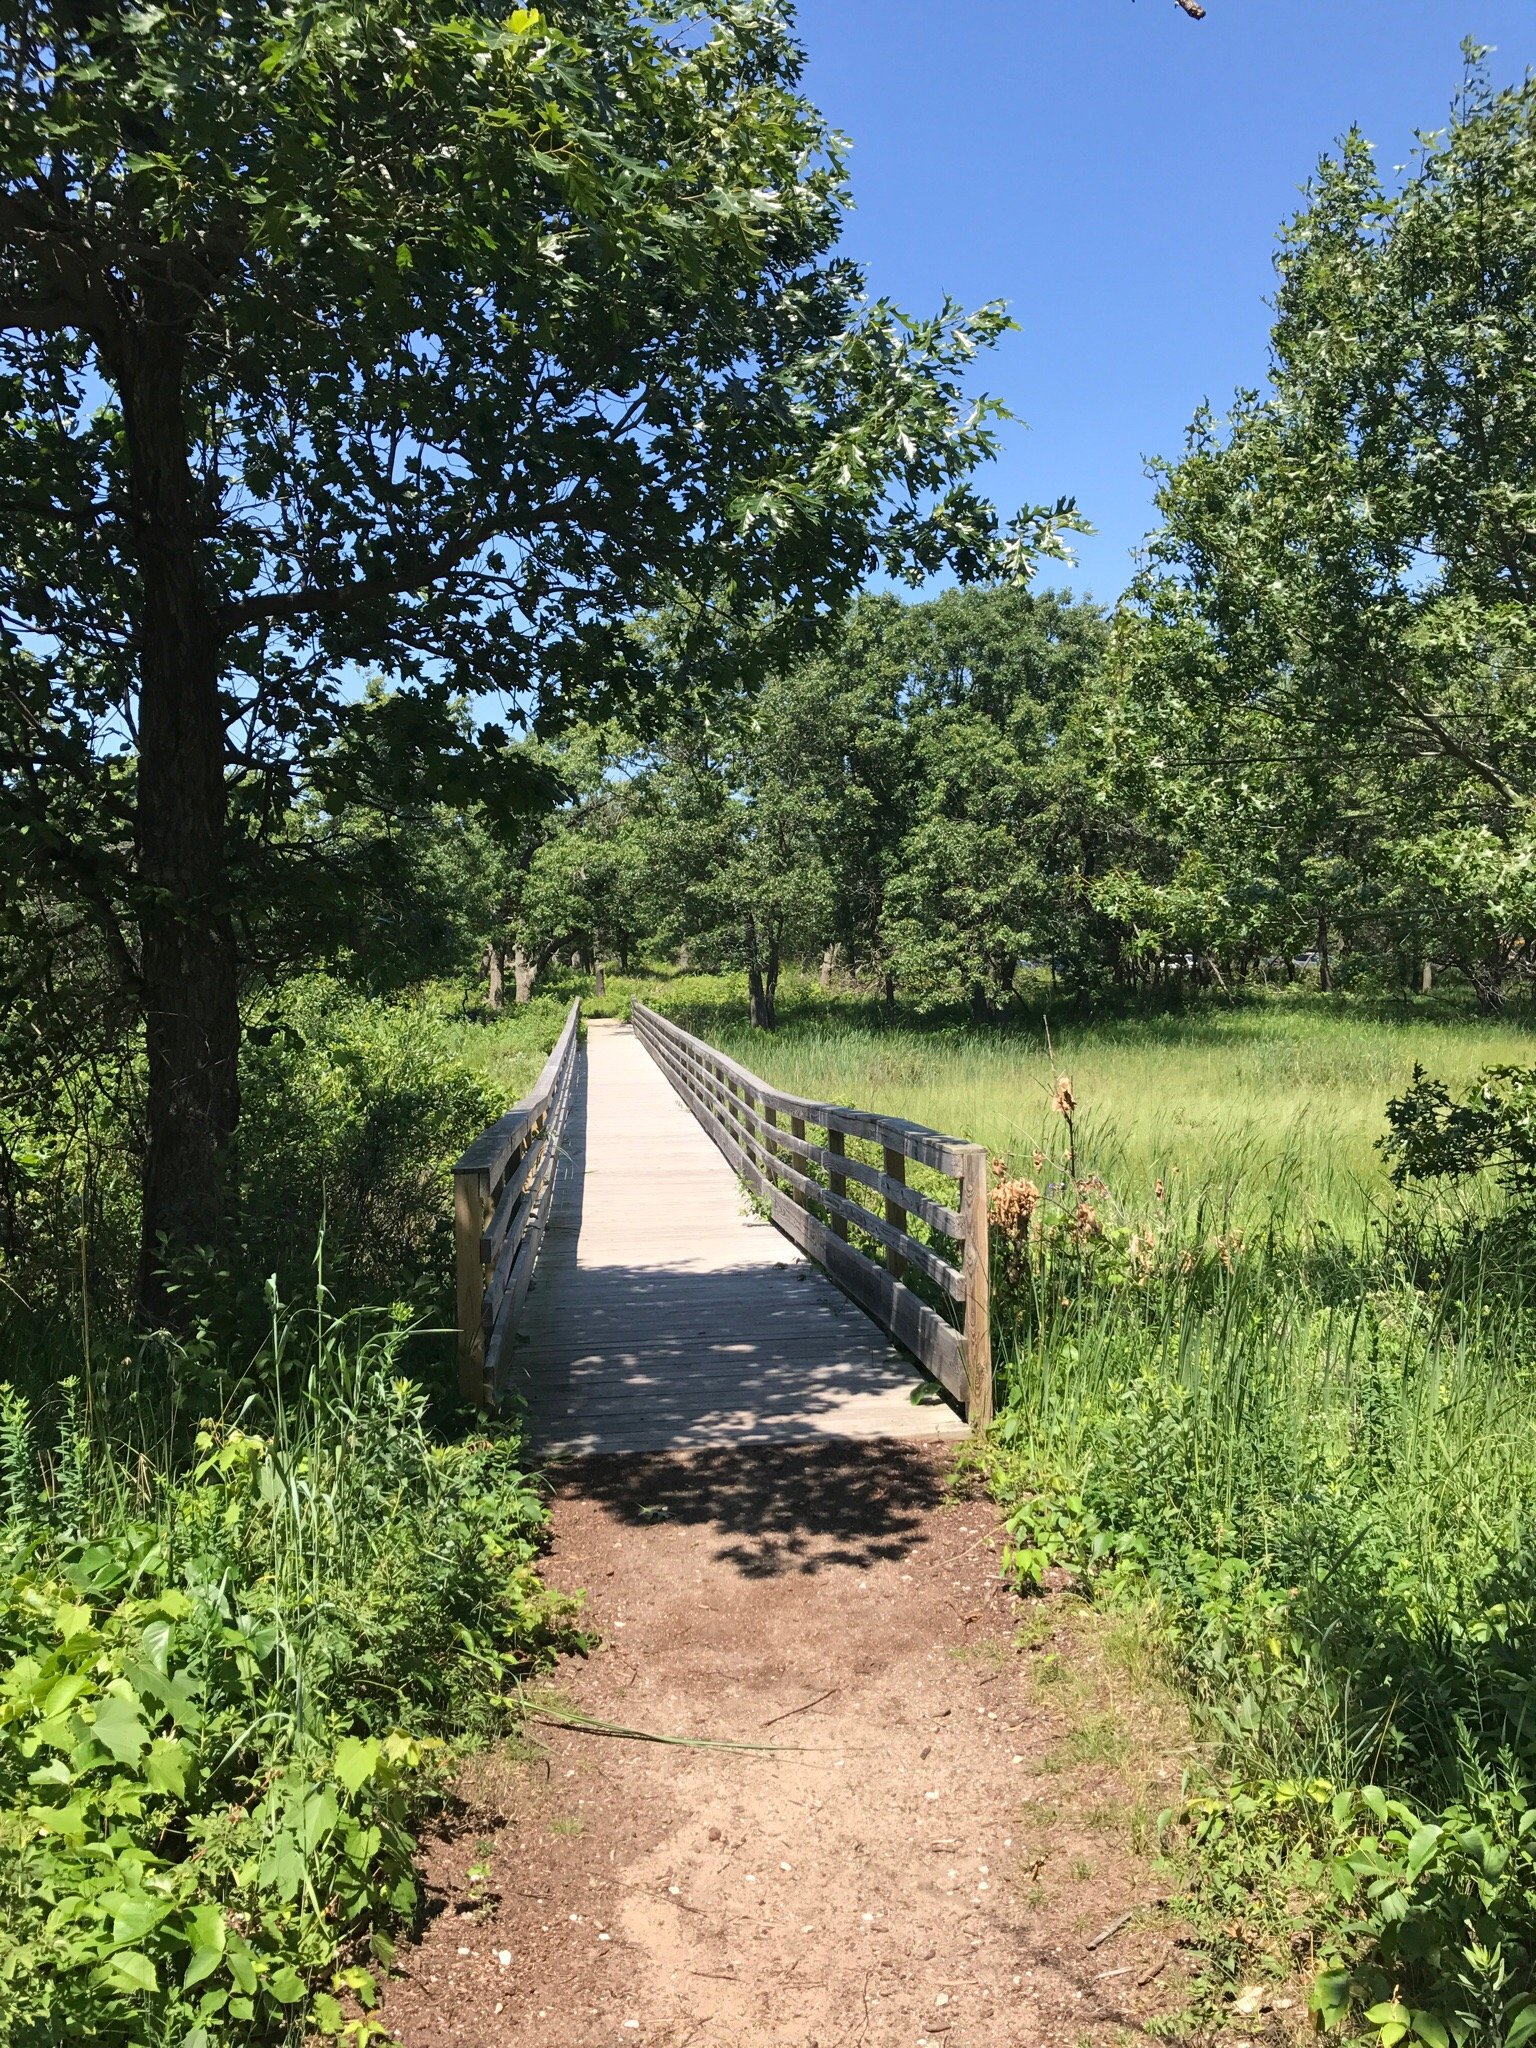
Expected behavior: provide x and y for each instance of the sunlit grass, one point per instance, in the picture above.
(1235, 1101)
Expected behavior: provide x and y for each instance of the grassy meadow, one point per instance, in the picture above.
(1287, 1414)
(1235, 1100)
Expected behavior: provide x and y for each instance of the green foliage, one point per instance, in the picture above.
(228, 1683)
(1329, 658)
(1430, 1136)
(355, 1112)
(1314, 1474)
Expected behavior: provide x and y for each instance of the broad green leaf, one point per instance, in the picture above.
(356, 1761)
(286, 1985)
(131, 1970)
(119, 1730)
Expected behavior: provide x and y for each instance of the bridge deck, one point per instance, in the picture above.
(665, 1314)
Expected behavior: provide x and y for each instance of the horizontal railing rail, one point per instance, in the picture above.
(503, 1188)
(805, 1186)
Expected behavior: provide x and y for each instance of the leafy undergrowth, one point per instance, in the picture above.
(236, 1666)
(1310, 1474)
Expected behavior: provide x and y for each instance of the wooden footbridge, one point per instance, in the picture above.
(653, 1254)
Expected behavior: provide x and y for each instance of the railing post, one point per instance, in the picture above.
(978, 1305)
(770, 1150)
(837, 1182)
(895, 1169)
(471, 1213)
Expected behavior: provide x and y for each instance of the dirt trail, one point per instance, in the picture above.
(930, 1863)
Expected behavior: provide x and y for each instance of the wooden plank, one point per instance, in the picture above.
(893, 1187)
(901, 1249)
(471, 1204)
(895, 1211)
(933, 1342)
(978, 1307)
(492, 1150)
(837, 1182)
(506, 1202)
(666, 1313)
(485, 1275)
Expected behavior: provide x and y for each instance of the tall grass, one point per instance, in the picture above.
(1234, 1101)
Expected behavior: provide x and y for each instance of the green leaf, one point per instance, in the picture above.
(286, 1985)
(165, 1768)
(203, 1964)
(325, 2015)
(131, 1970)
(356, 1762)
(119, 1730)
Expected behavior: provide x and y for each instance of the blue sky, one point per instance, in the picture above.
(1117, 173)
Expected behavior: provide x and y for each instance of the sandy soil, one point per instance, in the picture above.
(931, 1852)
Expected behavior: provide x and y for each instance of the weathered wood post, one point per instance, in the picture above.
(471, 1213)
(895, 1169)
(978, 1304)
(837, 1182)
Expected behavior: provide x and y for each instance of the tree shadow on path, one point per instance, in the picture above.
(778, 1508)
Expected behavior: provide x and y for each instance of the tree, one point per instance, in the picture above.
(431, 340)
(1359, 541)
(994, 686)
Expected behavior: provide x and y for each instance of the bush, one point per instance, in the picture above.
(354, 1113)
(229, 1687)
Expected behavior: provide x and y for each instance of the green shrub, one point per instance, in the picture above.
(227, 1689)
(354, 1111)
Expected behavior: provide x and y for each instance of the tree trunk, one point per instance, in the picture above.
(759, 1001)
(828, 962)
(495, 975)
(522, 976)
(1427, 978)
(1324, 965)
(599, 982)
(187, 939)
(1487, 978)
(762, 979)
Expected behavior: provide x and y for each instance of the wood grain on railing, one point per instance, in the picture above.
(761, 1130)
(502, 1191)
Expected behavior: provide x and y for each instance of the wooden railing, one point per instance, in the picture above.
(805, 1186)
(502, 1191)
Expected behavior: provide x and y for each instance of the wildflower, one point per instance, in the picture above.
(1064, 1102)
(1085, 1223)
(1158, 1189)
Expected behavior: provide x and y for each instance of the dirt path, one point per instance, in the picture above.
(932, 1861)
